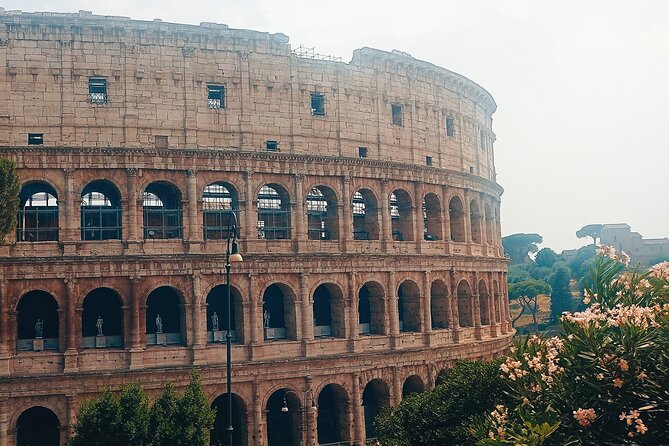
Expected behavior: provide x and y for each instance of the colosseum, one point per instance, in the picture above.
(368, 223)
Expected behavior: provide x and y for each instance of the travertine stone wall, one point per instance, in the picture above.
(433, 299)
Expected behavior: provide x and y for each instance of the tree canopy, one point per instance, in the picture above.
(519, 246)
(593, 230)
(10, 187)
(546, 257)
(526, 293)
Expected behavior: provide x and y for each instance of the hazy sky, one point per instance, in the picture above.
(582, 88)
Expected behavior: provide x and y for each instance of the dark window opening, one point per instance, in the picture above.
(272, 146)
(215, 96)
(163, 215)
(471, 169)
(38, 214)
(97, 90)
(35, 139)
(161, 142)
(450, 126)
(273, 215)
(318, 104)
(397, 114)
(218, 203)
(362, 152)
(317, 215)
(100, 212)
(428, 160)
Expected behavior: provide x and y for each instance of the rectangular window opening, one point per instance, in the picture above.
(428, 160)
(397, 114)
(450, 126)
(97, 90)
(471, 169)
(362, 152)
(35, 139)
(215, 96)
(318, 104)
(272, 146)
(162, 142)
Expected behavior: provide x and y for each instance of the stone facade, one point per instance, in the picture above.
(641, 250)
(368, 221)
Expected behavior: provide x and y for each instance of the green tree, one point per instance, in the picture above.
(519, 246)
(195, 417)
(593, 231)
(560, 290)
(442, 416)
(546, 257)
(163, 418)
(517, 274)
(527, 293)
(10, 187)
(134, 414)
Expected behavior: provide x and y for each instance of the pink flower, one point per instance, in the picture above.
(585, 417)
(624, 366)
(618, 383)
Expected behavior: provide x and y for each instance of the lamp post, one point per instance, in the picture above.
(231, 255)
(312, 408)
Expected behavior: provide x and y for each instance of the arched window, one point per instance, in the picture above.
(431, 217)
(322, 218)
(102, 319)
(38, 426)
(457, 219)
(100, 211)
(278, 312)
(365, 215)
(37, 322)
(408, 306)
(283, 426)
(496, 301)
(217, 314)
(375, 398)
(163, 216)
(475, 220)
(273, 213)
(484, 303)
(439, 305)
(332, 422)
(219, 433)
(219, 201)
(371, 309)
(38, 213)
(401, 215)
(164, 317)
(412, 385)
(465, 304)
(328, 311)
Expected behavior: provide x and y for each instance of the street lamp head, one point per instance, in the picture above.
(235, 256)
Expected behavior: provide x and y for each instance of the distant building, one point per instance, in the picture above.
(644, 251)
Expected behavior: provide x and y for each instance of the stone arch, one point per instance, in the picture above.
(284, 427)
(220, 199)
(457, 219)
(274, 221)
(100, 211)
(484, 302)
(371, 308)
(475, 221)
(38, 325)
(170, 328)
(38, 425)
(332, 419)
(102, 319)
(432, 218)
(162, 212)
(465, 308)
(441, 377)
(413, 384)
(219, 433)
(38, 215)
(365, 215)
(322, 213)
(217, 314)
(401, 215)
(439, 304)
(278, 312)
(328, 310)
(408, 306)
(375, 397)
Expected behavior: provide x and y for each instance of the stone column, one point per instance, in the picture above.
(309, 415)
(446, 216)
(346, 215)
(454, 323)
(4, 422)
(70, 305)
(71, 413)
(386, 235)
(299, 216)
(199, 319)
(4, 320)
(70, 201)
(358, 413)
(307, 309)
(426, 306)
(417, 208)
(135, 302)
(133, 198)
(249, 225)
(257, 433)
(397, 386)
(468, 218)
(194, 227)
(255, 308)
(393, 314)
(476, 308)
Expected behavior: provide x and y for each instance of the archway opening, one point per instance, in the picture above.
(164, 318)
(101, 211)
(475, 221)
(496, 302)
(284, 426)
(273, 213)
(457, 219)
(219, 201)
(38, 426)
(217, 314)
(375, 397)
(278, 312)
(328, 311)
(38, 213)
(322, 217)
(371, 309)
(219, 434)
(102, 319)
(465, 304)
(432, 229)
(37, 322)
(484, 303)
(401, 215)
(408, 306)
(332, 422)
(439, 305)
(163, 216)
(365, 215)
(412, 385)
